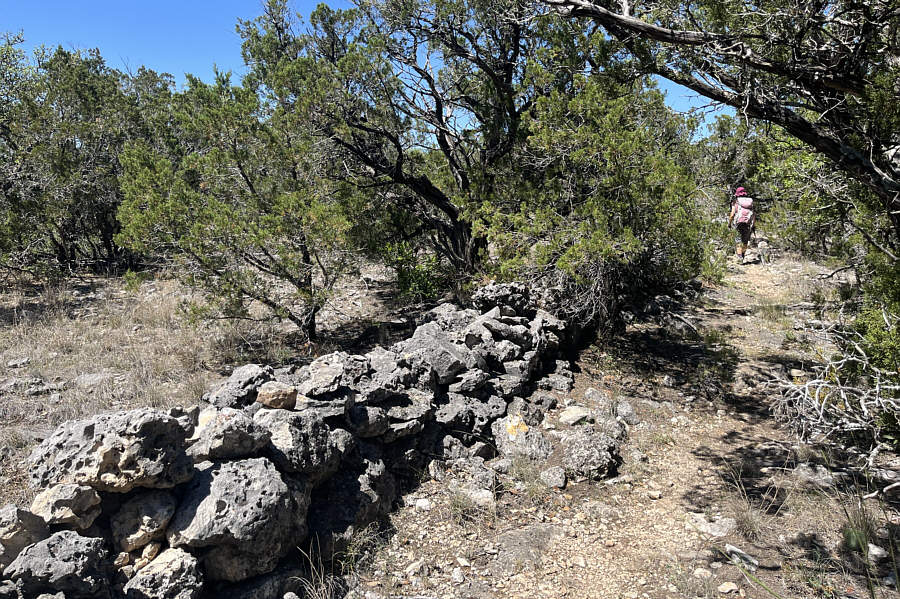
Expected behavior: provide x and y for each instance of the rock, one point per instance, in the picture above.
(114, 453)
(142, 519)
(515, 438)
(817, 477)
(76, 506)
(242, 513)
(241, 387)
(626, 413)
(431, 351)
(719, 528)
(328, 373)
(555, 477)
(423, 504)
(273, 394)
(92, 380)
(299, 442)
(18, 362)
(457, 576)
(226, 433)
(513, 296)
(741, 558)
(601, 400)
(727, 587)
(18, 529)
(367, 421)
(64, 562)
(399, 430)
(573, 415)
(411, 405)
(877, 554)
(589, 453)
(702, 574)
(654, 494)
(556, 382)
(470, 381)
(173, 574)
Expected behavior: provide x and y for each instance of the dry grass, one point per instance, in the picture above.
(140, 341)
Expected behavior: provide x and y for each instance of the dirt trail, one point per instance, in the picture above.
(707, 466)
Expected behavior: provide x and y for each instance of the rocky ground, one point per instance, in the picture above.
(714, 498)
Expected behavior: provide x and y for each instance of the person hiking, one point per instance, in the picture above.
(743, 218)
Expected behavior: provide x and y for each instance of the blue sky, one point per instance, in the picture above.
(188, 36)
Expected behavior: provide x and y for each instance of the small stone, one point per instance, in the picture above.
(727, 587)
(654, 494)
(609, 543)
(457, 576)
(274, 394)
(573, 415)
(877, 553)
(18, 362)
(122, 560)
(555, 477)
(423, 504)
(463, 562)
(579, 561)
(151, 550)
(702, 574)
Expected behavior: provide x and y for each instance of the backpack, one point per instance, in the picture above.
(745, 210)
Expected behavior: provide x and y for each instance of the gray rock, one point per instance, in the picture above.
(173, 574)
(626, 413)
(556, 382)
(509, 385)
(412, 405)
(367, 421)
(515, 438)
(573, 415)
(142, 519)
(817, 476)
(601, 401)
(64, 562)
(399, 430)
(324, 376)
(532, 414)
(590, 453)
(18, 362)
(470, 381)
(274, 394)
(18, 529)
(93, 380)
(114, 453)
(226, 433)
(299, 442)
(505, 350)
(504, 295)
(555, 477)
(431, 352)
(76, 506)
(242, 513)
(241, 387)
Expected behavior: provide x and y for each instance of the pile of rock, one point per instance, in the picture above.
(216, 500)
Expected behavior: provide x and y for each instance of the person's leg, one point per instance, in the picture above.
(744, 231)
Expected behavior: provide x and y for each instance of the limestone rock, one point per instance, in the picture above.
(574, 415)
(142, 519)
(590, 453)
(242, 512)
(226, 433)
(64, 562)
(515, 438)
(273, 394)
(513, 296)
(18, 529)
(431, 352)
(555, 477)
(76, 506)
(173, 574)
(299, 443)
(241, 387)
(626, 413)
(114, 453)
(367, 421)
(324, 376)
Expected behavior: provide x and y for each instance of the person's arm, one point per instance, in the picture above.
(731, 216)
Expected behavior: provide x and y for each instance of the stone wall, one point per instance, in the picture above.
(215, 500)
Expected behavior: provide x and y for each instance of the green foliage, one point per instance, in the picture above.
(247, 213)
(419, 275)
(604, 204)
